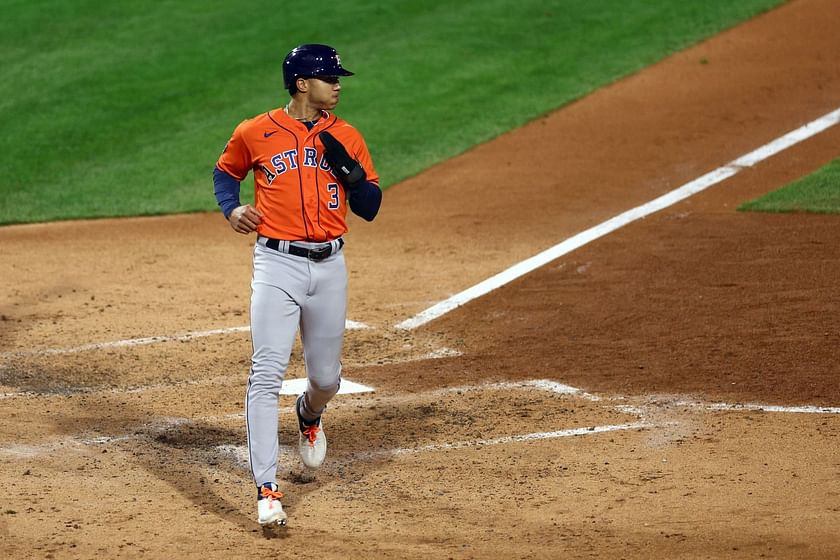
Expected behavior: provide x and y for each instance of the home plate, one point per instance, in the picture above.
(298, 386)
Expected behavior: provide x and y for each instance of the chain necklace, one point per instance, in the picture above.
(301, 119)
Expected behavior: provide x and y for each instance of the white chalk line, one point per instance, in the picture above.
(222, 380)
(727, 407)
(65, 392)
(123, 343)
(640, 410)
(533, 436)
(239, 453)
(161, 423)
(146, 340)
(579, 240)
(22, 451)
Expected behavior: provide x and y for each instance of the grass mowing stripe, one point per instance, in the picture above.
(121, 108)
(818, 193)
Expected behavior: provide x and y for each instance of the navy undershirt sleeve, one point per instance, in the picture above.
(227, 191)
(365, 200)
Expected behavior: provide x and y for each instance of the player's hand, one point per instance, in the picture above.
(346, 169)
(245, 219)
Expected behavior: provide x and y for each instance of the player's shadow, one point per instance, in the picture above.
(198, 457)
(188, 455)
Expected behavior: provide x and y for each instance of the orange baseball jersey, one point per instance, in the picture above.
(294, 186)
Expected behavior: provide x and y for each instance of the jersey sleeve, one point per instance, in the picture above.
(236, 158)
(363, 157)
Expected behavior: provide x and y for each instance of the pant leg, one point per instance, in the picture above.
(323, 318)
(278, 285)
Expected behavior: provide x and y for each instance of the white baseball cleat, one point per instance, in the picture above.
(312, 444)
(269, 509)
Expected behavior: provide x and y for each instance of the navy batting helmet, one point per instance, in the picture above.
(312, 60)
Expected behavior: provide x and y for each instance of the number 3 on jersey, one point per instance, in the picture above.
(333, 202)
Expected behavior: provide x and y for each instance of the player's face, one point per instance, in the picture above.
(323, 91)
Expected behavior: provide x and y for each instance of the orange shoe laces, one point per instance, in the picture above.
(311, 434)
(269, 493)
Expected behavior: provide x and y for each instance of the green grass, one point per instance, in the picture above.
(121, 108)
(818, 192)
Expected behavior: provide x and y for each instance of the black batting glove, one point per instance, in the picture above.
(346, 169)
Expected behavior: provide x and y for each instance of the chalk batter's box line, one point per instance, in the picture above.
(641, 411)
(163, 423)
(350, 325)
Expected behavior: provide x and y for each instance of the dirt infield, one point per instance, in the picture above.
(607, 405)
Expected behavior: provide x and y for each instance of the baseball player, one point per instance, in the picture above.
(309, 166)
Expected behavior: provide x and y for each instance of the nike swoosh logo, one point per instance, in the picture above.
(267, 134)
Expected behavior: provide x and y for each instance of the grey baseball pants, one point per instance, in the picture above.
(288, 293)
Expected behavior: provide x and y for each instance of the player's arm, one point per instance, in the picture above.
(365, 200)
(226, 189)
(242, 218)
(231, 168)
(364, 196)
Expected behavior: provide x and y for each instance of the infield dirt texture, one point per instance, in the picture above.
(137, 451)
